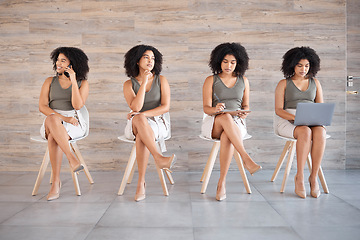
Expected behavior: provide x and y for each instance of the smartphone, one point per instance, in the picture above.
(66, 73)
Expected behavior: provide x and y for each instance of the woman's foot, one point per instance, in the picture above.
(220, 192)
(167, 163)
(54, 191)
(140, 192)
(75, 164)
(251, 166)
(314, 188)
(299, 188)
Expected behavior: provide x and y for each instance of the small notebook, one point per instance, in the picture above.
(314, 114)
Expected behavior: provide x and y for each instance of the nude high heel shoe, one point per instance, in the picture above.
(253, 170)
(53, 196)
(314, 190)
(300, 192)
(170, 164)
(140, 196)
(220, 195)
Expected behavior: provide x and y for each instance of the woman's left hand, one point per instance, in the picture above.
(242, 115)
(71, 72)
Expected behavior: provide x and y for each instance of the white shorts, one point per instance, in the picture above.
(159, 124)
(283, 127)
(208, 124)
(72, 130)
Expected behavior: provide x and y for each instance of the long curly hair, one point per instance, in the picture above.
(292, 57)
(78, 60)
(235, 49)
(133, 56)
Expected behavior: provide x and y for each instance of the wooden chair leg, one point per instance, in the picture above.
(321, 175)
(288, 165)
(209, 166)
(281, 160)
(76, 182)
(162, 180)
(132, 172)
(41, 173)
(169, 176)
(128, 170)
(76, 150)
(242, 171)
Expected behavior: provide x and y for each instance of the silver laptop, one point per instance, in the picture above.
(314, 114)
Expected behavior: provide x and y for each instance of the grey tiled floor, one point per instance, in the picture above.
(186, 214)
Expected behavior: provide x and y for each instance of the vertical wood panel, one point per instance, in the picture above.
(185, 31)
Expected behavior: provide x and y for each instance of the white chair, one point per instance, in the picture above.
(130, 167)
(290, 149)
(74, 148)
(211, 161)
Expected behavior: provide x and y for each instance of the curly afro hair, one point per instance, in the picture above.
(133, 56)
(78, 60)
(292, 57)
(235, 49)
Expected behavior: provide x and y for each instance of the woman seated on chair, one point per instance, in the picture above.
(227, 89)
(148, 95)
(300, 66)
(60, 98)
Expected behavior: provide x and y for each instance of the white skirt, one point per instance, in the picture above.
(73, 131)
(208, 124)
(283, 127)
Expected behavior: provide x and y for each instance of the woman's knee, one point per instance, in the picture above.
(52, 120)
(225, 118)
(303, 132)
(139, 121)
(318, 133)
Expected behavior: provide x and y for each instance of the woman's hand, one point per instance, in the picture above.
(220, 107)
(243, 115)
(71, 72)
(132, 114)
(70, 120)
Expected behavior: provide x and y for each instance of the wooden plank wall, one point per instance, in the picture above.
(185, 31)
(353, 101)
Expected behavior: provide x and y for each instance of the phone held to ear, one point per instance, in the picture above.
(66, 73)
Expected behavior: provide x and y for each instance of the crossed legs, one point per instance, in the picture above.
(58, 144)
(230, 139)
(145, 144)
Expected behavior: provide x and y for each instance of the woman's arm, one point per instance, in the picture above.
(207, 98)
(319, 92)
(79, 95)
(279, 101)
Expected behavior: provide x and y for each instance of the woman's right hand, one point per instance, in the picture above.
(148, 75)
(220, 107)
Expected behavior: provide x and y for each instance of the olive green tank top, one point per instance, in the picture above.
(60, 98)
(293, 95)
(153, 97)
(232, 97)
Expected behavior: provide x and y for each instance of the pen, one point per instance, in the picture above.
(217, 98)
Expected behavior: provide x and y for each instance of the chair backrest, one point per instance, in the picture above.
(85, 113)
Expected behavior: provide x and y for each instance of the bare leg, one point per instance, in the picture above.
(226, 153)
(142, 157)
(317, 152)
(225, 123)
(143, 131)
(54, 127)
(303, 136)
(56, 155)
